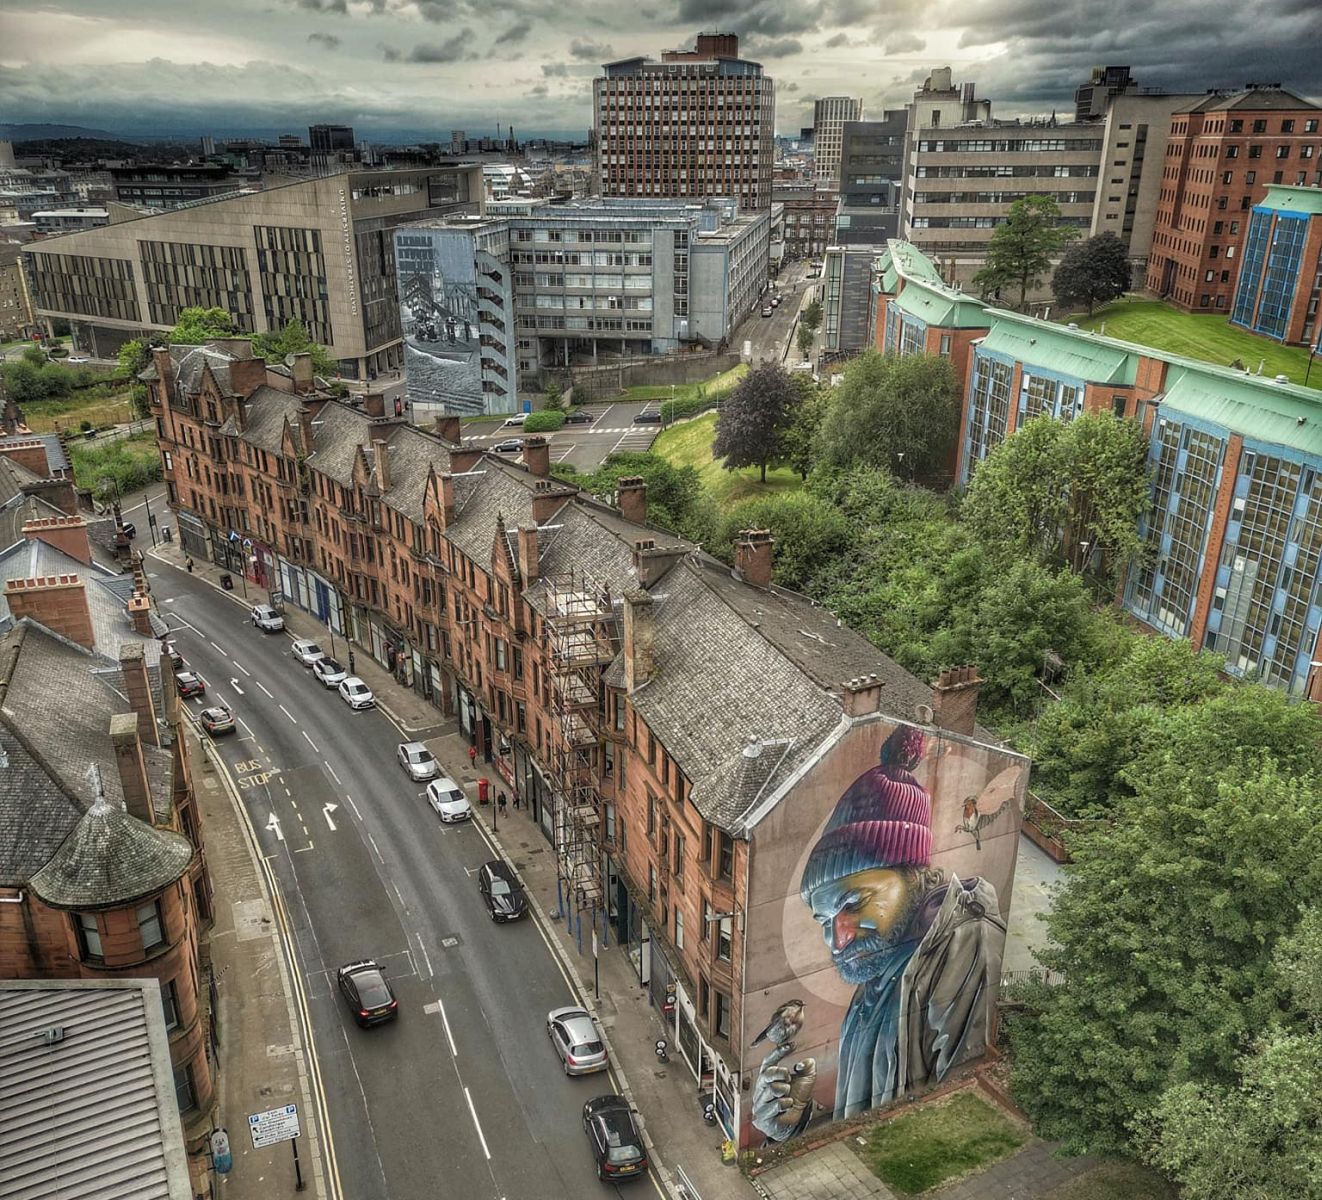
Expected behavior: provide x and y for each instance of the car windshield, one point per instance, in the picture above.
(359, 689)
(500, 888)
(420, 755)
(621, 1140)
(372, 990)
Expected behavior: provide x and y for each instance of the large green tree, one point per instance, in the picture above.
(751, 424)
(811, 317)
(808, 533)
(900, 414)
(1163, 935)
(1092, 272)
(134, 358)
(1022, 247)
(799, 442)
(197, 325)
(676, 498)
(1076, 487)
(293, 339)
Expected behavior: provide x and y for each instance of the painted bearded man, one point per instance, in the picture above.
(925, 951)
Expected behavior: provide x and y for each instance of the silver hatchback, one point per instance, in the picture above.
(577, 1040)
(417, 760)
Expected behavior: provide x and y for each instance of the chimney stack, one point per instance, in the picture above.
(29, 454)
(246, 376)
(752, 556)
(448, 428)
(58, 602)
(137, 687)
(955, 699)
(305, 429)
(164, 371)
(631, 497)
(301, 370)
(139, 610)
(639, 639)
(537, 456)
(446, 483)
(132, 766)
(528, 564)
(547, 499)
(382, 452)
(66, 534)
(651, 561)
(862, 696)
(374, 403)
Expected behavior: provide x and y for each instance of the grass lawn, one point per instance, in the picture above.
(131, 462)
(683, 391)
(51, 416)
(922, 1149)
(1204, 336)
(688, 444)
(1114, 1180)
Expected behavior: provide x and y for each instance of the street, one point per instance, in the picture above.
(584, 447)
(463, 1095)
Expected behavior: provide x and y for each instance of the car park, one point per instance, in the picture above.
(517, 419)
(577, 1040)
(267, 619)
(578, 416)
(417, 760)
(217, 720)
(501, 892)
(355, 693)
(508, 446)
(187, 684)
(615, 1139)
(307, 652)
(448, 800)
(329, 672)
(367, 992)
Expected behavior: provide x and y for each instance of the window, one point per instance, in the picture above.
(1310, 126)
(518, 663)
(1287, 126)
(619, 714)
(1260, 126)
(1283, 151)
(89, 936)
(1255, 151)
(721, 1023)
(708, 913)
(170, 1004)
(725, 856)
(677, 863)
(679, 928)
(651, 814)
(150, 926)
(651, 885)
(185, 1092)
(1250, 178)
(945, 345)
(1232, 151)
(1236, 126)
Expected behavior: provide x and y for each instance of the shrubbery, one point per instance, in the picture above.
(544, 421)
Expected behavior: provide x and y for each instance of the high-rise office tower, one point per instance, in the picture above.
(698, 123)
(829, 115)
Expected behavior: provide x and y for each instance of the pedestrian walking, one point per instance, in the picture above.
(189, 564)
(472, 756)
(518, 801)
(500, 803)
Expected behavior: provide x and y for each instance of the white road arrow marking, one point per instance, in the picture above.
(326, 810)
(274, 826)
(234, 683)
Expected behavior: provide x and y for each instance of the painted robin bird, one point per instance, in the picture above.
(784, 1025)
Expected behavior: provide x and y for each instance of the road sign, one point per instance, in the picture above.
(274, 1125)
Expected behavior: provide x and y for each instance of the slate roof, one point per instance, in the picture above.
(1249, 100)
(501, 489)
(413, 454)
(57, 462)
(189, 362)
(265, 412)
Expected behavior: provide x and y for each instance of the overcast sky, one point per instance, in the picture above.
(395, 68)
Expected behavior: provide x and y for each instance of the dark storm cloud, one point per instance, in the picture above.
(327, 41)
(840, 39)
(338, 7)
(591, 51)
(515, 33)
(455, 49)
(756, 47)
(555, 70)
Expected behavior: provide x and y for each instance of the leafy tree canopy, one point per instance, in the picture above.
(1022, 247)
(808, 533)
(811, 315)
(1092, 273)
(676, 498)
(197, 325)
(797, 445)
(293, 339)
(751, 424)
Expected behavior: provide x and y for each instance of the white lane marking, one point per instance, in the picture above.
(187, 624)
(234, 683)
(333, 775)
(426, 957)
(375, 851)
(261, 685)
(308, 846)
(601, 416)
(353, 806)
(476, 1123)
(273, 825)
(326, 810)
(312, 744)
(454, 1050)
(245, 725)
(241, 667)
(291, 716)
(221, 649)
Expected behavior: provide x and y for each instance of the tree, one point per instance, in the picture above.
(751, 424)
(808, 533)
(134, 358)
(803, 339)
(801, 435)
(1021, 248)
(900, 414)
(1080, 486)
(1092, 273)
(1164, 934)
(811, 315)
(293, 339)
(676, 498)
(198, 325)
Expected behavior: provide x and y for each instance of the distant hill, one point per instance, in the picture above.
(30, 133)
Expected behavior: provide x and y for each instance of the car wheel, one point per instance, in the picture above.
(600, 1173)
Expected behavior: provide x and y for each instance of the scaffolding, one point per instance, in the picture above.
(583, 636)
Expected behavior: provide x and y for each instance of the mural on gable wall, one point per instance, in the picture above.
(878, 899)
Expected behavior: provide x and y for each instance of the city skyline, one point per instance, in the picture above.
(398, 69)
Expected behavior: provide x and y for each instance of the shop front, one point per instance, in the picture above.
(535, 789)
(193, 535)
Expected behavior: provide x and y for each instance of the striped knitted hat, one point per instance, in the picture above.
(884, 819)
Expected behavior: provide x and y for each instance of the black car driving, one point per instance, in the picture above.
(365, 989)
(616, 1140)
(501, 892)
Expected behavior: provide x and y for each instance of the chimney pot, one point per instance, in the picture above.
(753, 556)
(955, 699)
(537, 456)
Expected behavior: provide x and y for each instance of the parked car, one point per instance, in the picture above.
(187, 684)
(77, 360)
(355, 693)
(267, 619)
(329, 672)
(649, 416)
(172, 656)
(449, 801)
(307, 652)
(217, 720)
(517, 419)
(367, 992)
(501, 892)
(130, 529)
(509, 446)
(577, 1040)
(616, 1141)
(578, 416)
(417, 760)
(767, 310)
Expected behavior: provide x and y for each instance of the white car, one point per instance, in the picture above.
(517, 419)
(355, 693)
(77, 360)
(448, 799)
(329, 672)
(417, 760)
(267, 619)
(307, 652)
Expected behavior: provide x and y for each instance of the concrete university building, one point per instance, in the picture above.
(1234, 532)
(319, 250)
(487, 303)
(714, 761)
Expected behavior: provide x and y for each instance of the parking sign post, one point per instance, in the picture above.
(278, 1125)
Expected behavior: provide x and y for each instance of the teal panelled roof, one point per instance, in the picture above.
(912, 263)
(937, 304)
(1287, 198)
(1062, 351)
(1255, 406)
(884, 266)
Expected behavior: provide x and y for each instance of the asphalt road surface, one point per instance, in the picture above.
(583, 446)
(462, 1096)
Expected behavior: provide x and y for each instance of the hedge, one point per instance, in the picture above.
(543, 421)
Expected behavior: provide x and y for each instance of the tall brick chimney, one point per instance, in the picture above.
(448, 428)
(753, 556)
(528, 562)
(382, 453)
(246, 376)
(164, 370)
(139, 610)
(30, 454)
(651, 561)
(137, 687)
(66, 534)
(374, 403)
(631, 496)
(301, 370)
(955, 699)
(58, 602)
(464, 458)
(547, 498)
(639, 639)
(862, 696)
(132, 766)
(537, 456)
